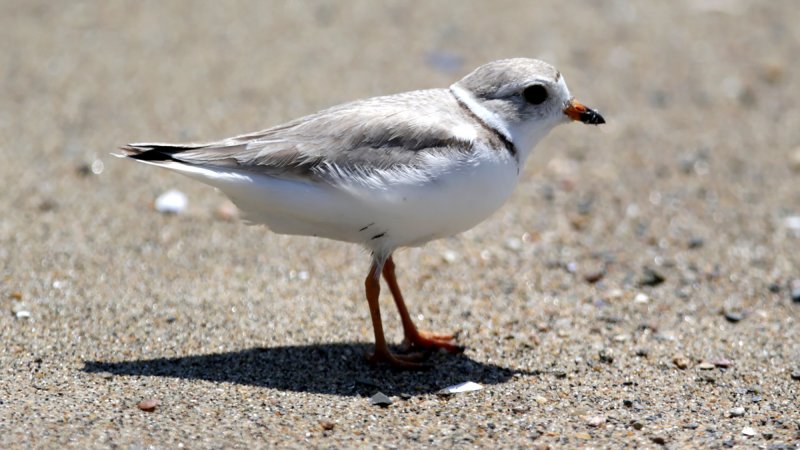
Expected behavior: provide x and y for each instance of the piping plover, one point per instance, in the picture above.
(388, 172)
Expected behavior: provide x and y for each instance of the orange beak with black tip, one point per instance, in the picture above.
(575, 110)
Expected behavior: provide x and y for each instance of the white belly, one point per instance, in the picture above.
(382, 212)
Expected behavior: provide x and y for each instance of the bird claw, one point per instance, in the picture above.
(432, 341)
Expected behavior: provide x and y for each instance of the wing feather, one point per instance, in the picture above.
(381, 133)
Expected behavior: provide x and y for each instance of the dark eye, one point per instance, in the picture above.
(535, 94)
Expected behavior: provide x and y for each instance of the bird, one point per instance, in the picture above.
(388, 172)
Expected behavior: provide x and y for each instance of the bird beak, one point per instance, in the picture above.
(576, 111)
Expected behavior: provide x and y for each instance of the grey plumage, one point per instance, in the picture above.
(373, 134)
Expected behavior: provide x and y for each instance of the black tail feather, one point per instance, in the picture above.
(155, 152)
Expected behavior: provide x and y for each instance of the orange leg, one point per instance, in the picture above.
(414, 338)
(382, 352)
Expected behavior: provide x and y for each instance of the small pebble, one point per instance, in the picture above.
(659, 440)
(106, 375)
(172, 202)
(794, 290)
(606, 355)
(737, 411)
(327, 425)
(20, 310)
(449, 256)
(696, 242)
(792, 223)
(467, 386)
(380, 399)
(583, 435)
(148, 405)
(227, 210)
(595, 421)
(651, 278)
(795, 160)
(641, 297)
(795, 375)
(594, 276)
(722, 363)
(642, 352)
(749, 431)
(627, 403)
(734, 316)
(705, 366)
(514, 244)
(680, 361)
(637, 425)
(540, 400)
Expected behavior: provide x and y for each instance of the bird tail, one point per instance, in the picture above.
(155, 152)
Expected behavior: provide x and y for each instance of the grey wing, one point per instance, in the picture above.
(364, 136)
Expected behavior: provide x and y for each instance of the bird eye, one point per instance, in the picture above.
(535, 94)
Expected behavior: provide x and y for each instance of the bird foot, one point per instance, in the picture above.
(432, 341)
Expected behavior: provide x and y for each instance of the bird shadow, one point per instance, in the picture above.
(338, 369)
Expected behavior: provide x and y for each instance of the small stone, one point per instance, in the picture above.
(691, 426)
(775, 288)
(792, 223)
(172, 202)
(795, 160)
(404, 396)
(467, 386)
(627, 403)
(637, 425)
(583, 435)
(651, 278)
(514, 244)
(748, 431)
(734, 316)
(594, 276)
(722, 363)
(595, 421)
(642, 352)
(227, 211)
(327, 425)
(641, 297)
(148, 405)
(540, 400)
(681, 361)
(606, 355)
(696, 242)
(380, 399)
(795, 375)
(705, 366)
(794, 290)
(449, 256)
(737, 411)
(105, 375)
(658, 440)
(20, 310)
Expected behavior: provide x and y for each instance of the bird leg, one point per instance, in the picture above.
(414, 338)
(382, 352)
